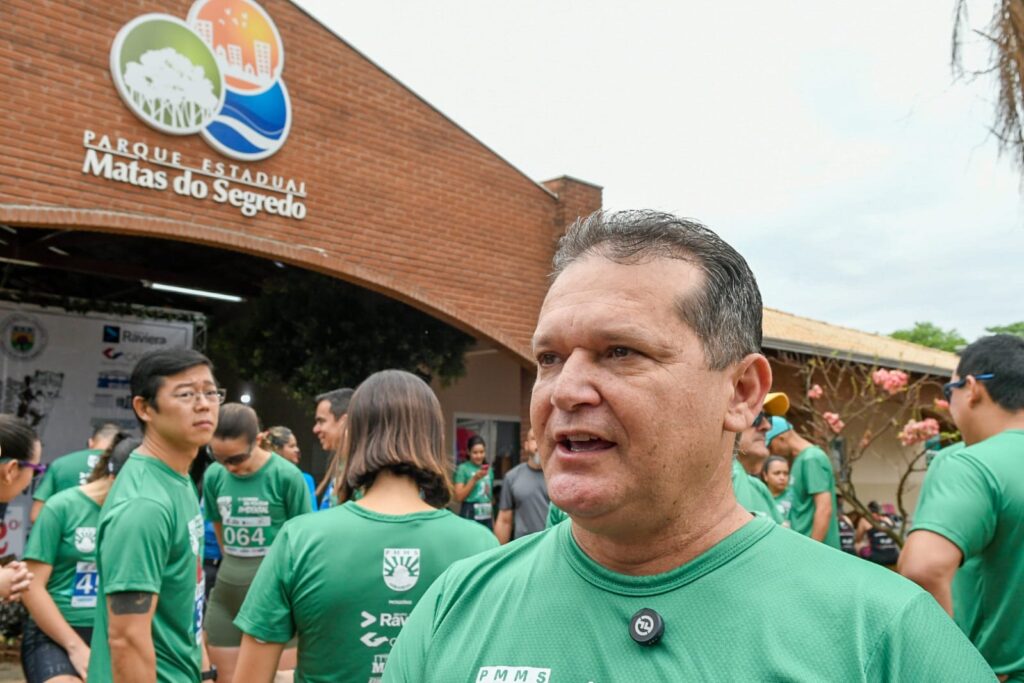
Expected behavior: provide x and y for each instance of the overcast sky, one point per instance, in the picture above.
(828, 142)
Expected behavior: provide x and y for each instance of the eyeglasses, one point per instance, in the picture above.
(37, 469)
(757, 420)
(216, 396)
(948, 387)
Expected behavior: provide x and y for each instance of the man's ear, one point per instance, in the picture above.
(142, 408)
(751, 379)
(976, 392)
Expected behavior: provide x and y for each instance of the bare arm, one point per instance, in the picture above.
(37, 505)
(930, 560)
(822, 515)
(257, 660)
(47, 616)
(503, 526)
(130, 634)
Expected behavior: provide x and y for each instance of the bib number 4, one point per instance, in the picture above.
(85, 586)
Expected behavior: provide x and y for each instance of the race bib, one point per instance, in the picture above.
(85, 585)
(481, 510)
(246, 536)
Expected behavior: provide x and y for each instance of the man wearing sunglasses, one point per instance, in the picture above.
(751, 452)
(150, 536)
(967, 544)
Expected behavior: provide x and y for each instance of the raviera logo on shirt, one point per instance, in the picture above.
(401, 568)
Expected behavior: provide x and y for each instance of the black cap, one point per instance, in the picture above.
(646, 627)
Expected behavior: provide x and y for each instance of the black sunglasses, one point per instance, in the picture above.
(757, 420)
(948, 387)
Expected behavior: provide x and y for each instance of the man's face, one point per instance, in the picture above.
(530, 445)
(326, 428)
(183, 414)
(752, 439)
(232, 453)
(628, 415)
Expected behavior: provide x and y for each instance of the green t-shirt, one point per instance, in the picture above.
(483, 491)
(252, 508)
(556, 515)
(843, 619)
(783, 504)
(974, 497)
(150, 540)
(752, 494)
(812, 474)
(67, 472)
(64, 537)
(345, 580)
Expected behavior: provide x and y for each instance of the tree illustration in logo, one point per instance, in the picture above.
(166, 74)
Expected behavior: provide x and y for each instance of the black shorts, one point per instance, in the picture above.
(469, 511)
(42, 658)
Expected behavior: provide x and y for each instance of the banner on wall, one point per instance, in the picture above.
(67, 373)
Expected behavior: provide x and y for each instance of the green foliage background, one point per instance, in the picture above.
(312, 333)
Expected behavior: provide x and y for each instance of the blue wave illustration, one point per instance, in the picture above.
(252, 124)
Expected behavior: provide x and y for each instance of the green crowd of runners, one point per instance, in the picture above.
(694, 533)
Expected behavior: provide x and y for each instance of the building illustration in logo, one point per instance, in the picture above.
(24, 337)
(401, 568)
(217, 74)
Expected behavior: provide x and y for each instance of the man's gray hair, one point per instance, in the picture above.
(726, 312)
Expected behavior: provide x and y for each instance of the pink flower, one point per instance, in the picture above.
(834, 423)
(892, 381)
(941, 404)
(917, 431)
(815, 392)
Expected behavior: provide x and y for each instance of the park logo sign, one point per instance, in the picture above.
(217, 73)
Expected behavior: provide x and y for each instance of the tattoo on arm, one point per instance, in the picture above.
(135, 602)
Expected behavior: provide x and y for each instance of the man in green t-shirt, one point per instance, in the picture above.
(72, 469)
(966, 546)
(813, 509)
(149, 543)
(660, 575)
(751, 452)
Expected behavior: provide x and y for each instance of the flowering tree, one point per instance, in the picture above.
(855, 408)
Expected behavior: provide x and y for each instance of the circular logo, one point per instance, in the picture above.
(256, 117)
(166, 74)
(644, 625)
(23, 337)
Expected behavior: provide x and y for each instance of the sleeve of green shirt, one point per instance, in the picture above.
(818, 474)
(210, 493)
(408, 658)
(555, 516)
(45, 537)
(266, 613)
(47, 487)
(462, 474)
(922, 643)
(140, 531)
(296, 500)
(959, 502)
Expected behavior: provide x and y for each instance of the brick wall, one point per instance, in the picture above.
(400, 199)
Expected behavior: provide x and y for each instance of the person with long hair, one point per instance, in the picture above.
(344, 580)
(474, 484)
(775, 474)
(249, 494)
(20, 453)
(61, 555)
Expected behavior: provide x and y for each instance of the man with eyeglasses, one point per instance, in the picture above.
(751, 453)
(149, 542)
(966, 546)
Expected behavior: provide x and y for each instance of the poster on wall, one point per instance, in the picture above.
(67, 373)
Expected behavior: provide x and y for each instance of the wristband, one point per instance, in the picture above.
(210, 675)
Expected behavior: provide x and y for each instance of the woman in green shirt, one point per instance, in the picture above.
(61, 555)
(775, 474)
(248, 494)
(345, 579)
(20, 452)
(474, 484)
